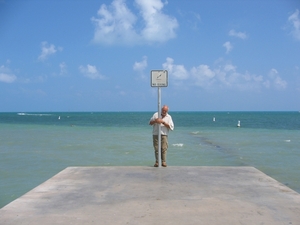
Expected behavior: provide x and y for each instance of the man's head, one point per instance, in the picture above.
(164, 110)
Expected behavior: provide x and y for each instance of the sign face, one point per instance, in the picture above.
(159, 78)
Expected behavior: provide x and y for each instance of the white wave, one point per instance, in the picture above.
(287, 140)
(178, 145)
(34, 114)
(195, 132)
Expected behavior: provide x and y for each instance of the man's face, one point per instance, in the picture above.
(164, 111)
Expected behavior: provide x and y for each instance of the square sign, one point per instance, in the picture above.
(159, 78)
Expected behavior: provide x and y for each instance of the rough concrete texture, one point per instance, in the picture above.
(146, 195)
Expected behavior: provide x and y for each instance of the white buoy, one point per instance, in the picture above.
(239, 124)
(214, 119)
(59, 117)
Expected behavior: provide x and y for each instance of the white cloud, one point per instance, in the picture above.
(6, 76)
(237, 34)
(159, 27)
(222, 75)
(63, 68)
(228, 46)
(90, 72)
(227, 76)
(203, 76)
(47, 50)
(116, 24)
(176, 71)
(276, 80)
(295, 21)
(229, 67)
(140, 66)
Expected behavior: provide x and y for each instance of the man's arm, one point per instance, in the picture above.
(166, 125)
(152, 122)
(169, 124)
(156, 121)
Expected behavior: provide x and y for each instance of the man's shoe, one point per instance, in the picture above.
(164, 164)
(156, 164)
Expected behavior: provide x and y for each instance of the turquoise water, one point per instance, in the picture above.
(36, 146)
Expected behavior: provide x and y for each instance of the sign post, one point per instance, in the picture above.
(159, 78)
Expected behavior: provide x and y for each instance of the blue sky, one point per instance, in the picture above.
(221, 55)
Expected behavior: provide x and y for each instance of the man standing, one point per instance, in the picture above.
(166, 124)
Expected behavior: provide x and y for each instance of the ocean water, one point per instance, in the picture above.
(36, 146)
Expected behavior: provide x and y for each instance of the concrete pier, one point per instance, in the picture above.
(148, 195)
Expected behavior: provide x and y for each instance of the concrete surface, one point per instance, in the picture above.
(148, 195)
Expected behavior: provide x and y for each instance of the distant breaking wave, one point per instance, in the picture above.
(178, 145)
(34, 114)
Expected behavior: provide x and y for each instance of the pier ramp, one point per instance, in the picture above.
(148, 195)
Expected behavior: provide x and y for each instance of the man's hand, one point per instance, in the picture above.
(159, 120)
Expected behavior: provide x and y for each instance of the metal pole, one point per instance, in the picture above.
(159, 128)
